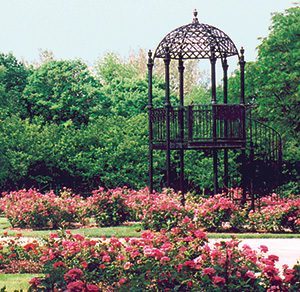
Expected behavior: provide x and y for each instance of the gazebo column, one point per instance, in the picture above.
(167, 110)
(242, 102)
(214, 102)
(181, 124)
(225, 101)
(150, 106)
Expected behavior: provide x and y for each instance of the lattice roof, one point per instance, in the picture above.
(195, 41)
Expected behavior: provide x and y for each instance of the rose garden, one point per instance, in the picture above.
(98, 195)
(172, 253)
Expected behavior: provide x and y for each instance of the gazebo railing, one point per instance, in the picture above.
(265, 141)
(197, 123)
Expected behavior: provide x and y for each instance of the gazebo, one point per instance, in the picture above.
(214, 126)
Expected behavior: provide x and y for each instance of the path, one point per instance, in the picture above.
(288, 250)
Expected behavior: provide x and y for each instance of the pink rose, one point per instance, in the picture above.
(208, 271)
(218, 280)
(76, 286)
(250, 275)
(92, 288)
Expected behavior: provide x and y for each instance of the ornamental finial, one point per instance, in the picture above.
(195, 19)
(242, 51)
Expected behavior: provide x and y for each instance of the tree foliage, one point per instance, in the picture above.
(64, 92)
(63, 124)
(278, 77)
(272, 85)
(13, 79)
(126, 87)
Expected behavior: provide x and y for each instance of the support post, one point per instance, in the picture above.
(251, 158)
(167, 109)
(225, 101)
(242, 103)
(150, 106)
(242, 76)
(181, 124)
(214, 101)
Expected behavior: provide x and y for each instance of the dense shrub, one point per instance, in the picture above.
(108, 207)
(31, 209)
(163, 211)
(214, 211)
(277, 215)
(178, 260)
(156, 211)
(17, 257)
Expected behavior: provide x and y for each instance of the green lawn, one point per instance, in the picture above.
(15, 282)
(130, 231)
(118, 231)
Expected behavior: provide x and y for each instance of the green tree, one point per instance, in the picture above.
(126, 86)
(64, 92)
(278, 79)
(13, 79)
(272, 84)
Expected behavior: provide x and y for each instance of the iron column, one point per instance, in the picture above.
(225, 100)
(150, 105)
(167, 109)
(181, 123)
(242, 103)
(214, 101)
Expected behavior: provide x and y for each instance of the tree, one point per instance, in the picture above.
(13, 79)
(125, 85)
(272, 84)
(279, 71)
(64, 92)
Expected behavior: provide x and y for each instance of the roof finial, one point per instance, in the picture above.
(242, 51)
(195, 19)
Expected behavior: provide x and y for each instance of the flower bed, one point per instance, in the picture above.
(277, 215)
(211, 213)
(16, 257)
(175, 260)
(108, 208)
(31, 209)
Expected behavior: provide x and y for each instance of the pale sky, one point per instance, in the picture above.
(87, 29)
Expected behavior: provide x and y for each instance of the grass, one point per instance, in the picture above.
(130, 231)
(117, 231)
(15, 282)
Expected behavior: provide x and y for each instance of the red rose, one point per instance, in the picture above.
(76, 286)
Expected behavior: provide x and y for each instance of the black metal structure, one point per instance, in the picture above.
(218, 127)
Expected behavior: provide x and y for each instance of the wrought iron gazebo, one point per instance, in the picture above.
(218, 127)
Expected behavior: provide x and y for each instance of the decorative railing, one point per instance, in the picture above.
(196, 123)
(264, 141)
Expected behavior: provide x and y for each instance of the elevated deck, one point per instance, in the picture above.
(200, 127)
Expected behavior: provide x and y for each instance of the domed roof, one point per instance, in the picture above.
(196, 41)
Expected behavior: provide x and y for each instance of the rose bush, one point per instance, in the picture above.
(32, 209)
(163, 211)
(276, 215)
(213, 212)
(19, 257)
(175, 260)
(108, 207)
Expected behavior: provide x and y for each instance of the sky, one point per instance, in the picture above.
(88, 29)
